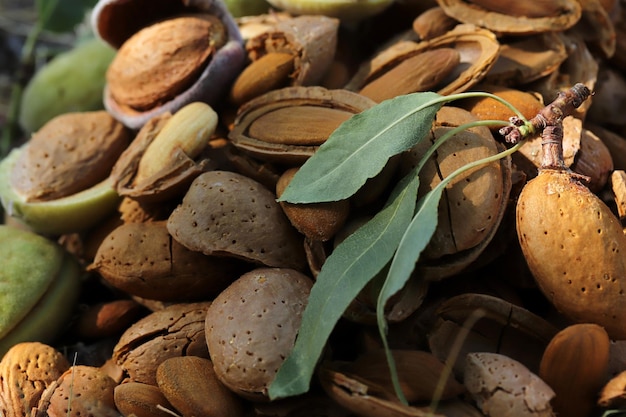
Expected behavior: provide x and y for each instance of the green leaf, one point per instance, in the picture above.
(413, 242)
(344, 274)
(361, 146)
(62, 15)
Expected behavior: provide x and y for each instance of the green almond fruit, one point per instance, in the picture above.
(39, 287)
(72, 81)
(74, 213)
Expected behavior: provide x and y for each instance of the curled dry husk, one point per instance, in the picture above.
(505, 328)
(168, 182)
(526, 59)
(515, 17)
(312, 40)
(477, 48)
(115, 21)
(313, 114)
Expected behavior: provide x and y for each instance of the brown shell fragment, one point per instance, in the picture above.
(175, 330)
(311, 39)
(228, 214)
(503, 387)
(158, 267)
(504, 328)
(70, 153)
(515, 17)
(293, 138)
(252, 325)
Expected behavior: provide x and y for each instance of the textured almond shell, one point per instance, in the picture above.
(175, 330)
(26, 370)
(228, 214)
(252, 325)
(574, 246)
(70, 153)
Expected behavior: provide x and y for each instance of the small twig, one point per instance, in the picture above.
(551, 115)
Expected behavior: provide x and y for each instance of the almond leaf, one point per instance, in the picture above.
(361, 146)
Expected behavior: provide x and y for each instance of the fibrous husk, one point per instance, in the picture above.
(312, 40)
(288, 141)
(478, 49)
(560, 15)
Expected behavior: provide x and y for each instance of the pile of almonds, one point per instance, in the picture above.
(195, 278)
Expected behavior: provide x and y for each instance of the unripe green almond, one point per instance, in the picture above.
(239, 8)
(74, 213)
(574, 246)
(73, 81)
(40, 285)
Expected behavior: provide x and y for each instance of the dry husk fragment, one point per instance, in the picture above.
(301, 117)
(527, 59)
(115, 21)
(505, 328)
(477, 49)
(515, 17)
(311, 42)
(169, 182)
(365, 398)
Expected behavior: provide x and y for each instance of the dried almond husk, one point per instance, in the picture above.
(505, 328)
(301, 119)
(116, 21)
(180, 48)
(528, 58)
(477, 48)
(515, 17)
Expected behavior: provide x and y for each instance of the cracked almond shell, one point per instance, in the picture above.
(477, 50)
(26, 370)
(175, 330)
(503, 387)
(474, 202)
